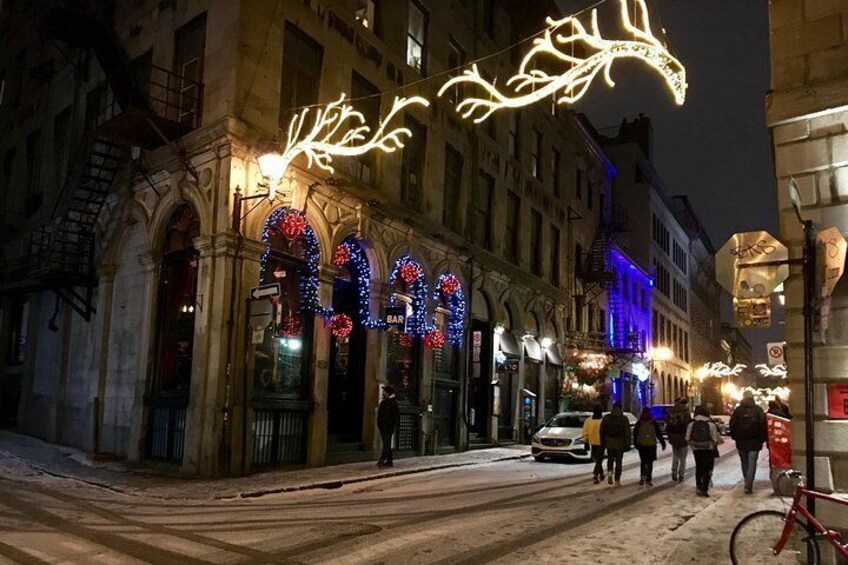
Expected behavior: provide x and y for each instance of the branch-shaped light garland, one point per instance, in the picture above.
(719, 369)
(776, 371)
(338, 130)
(531, 84)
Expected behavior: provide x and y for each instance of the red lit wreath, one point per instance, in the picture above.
(291, 327)
(341, 325)
(409, 272)
(450, 284)
(434, 339)
(293, 225)
(342, 257)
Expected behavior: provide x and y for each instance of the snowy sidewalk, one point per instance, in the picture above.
(27, 458)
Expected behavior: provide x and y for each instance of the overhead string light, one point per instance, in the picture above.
(401, 272)
(776, 371)
(719, 369)
(531, 84)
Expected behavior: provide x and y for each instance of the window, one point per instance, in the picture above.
(591, 317)
(413, 164)
(555, 172)
(536, 243)
(369, 104)
(686, 346)
(453, 184)
(536, 160)
(416, 38)
(6, 176)
(513, 215)
(644, 299)
(555, 249)
(365, 13)
(33, 160)
(18, 326)
(679, 256)
(481, 211)
(489, 17)
(302, 58)
(2, 87)
(189, 47)
(590, 194)
(456, 59)
(654, 331)
(61, 143)
(602, 320)
(578, 259)
(661, 234)
(625, 287)
(514, 136)
(578, 182)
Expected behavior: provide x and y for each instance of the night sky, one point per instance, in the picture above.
(715, 148)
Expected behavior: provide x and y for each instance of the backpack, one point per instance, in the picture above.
(674, 424)
(700, 438)
(647, 435)
(748, 423)
(612, 428)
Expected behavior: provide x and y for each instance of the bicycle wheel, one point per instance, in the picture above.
(755, 536)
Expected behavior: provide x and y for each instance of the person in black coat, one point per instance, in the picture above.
(646, 436)
(387, 422)
(748, 429)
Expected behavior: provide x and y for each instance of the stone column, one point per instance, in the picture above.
(316, 446)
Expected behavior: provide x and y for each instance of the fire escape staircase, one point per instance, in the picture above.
(147, 109)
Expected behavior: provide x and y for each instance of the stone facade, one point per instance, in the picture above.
(807, 113)
(93, 383)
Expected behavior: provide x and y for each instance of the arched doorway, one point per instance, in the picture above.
(168, 393)
(281, 361)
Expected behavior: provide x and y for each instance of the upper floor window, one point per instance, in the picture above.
(590, 194)
(33, 160)
(513, 215)
(453, 184)
(536, 242)
(578, 182)
(366, 99)
(302, 58)
(481, 211)
(536, 162)
(189, 48)
(366, 13)
(456, 59)
(489, 17)
(514, 135)
(416, 38)
(413, 164)
(555, 251)
(555, 172)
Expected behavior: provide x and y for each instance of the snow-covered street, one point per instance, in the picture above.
(506, 511)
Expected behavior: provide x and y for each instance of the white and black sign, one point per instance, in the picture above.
(507, 366)
(775, 350)
(265, 291)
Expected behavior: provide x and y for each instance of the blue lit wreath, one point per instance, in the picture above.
(454, 298)
(417, 323)
(308, 285)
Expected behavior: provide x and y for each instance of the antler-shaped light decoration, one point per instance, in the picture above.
(531, 84)
(338, 130)
(776, 371)
(719, 369)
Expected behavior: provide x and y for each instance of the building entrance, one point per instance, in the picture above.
(346, 386)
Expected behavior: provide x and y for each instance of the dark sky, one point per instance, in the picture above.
(715, 148)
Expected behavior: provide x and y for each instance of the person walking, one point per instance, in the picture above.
(748, 429)
(675, 427)
(592, 436)
(703, 437)
(387, 421)
(647, 434)
(616, 439)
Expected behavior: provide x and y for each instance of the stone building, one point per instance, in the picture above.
(128, 260)
(655, 239)
(807, 114)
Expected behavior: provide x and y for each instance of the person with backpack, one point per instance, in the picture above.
(703, 437)
(749, 430)
(592, 436)
(675, 427)
(647, 433)
(616, 439)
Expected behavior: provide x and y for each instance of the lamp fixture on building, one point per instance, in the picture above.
(499, 329)
(546, 342)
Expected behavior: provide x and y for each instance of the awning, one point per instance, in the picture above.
(532, 350)
(553, 356)
(509, 345)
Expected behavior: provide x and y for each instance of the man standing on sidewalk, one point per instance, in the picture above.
(387, 421)
(748, 429)
(676, 426)
(616, 439)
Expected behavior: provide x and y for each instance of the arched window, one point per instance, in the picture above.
(177, 305)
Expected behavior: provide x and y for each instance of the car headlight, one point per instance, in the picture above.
(536, 439)
(578, 441)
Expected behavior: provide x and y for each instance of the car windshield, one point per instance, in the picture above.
(568, 421)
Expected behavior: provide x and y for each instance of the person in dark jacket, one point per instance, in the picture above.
(616, 439)
(775, 409)
(387, 421)
(703, 437)
(785, 407)
(646, 435)
(675, 426)
(749, 430)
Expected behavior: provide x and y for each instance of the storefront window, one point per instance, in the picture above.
(401, 365)
(177, 304)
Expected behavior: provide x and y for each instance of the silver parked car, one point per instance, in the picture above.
(562, 437)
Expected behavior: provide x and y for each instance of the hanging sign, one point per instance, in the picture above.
(837, 402)
(396, 316)
(752, 313)
(775, 353)
(749, 249)
(831, 249)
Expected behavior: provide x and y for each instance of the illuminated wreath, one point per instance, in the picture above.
(293, 225)
(434, 339)
(450, 284)
(291, 327)
(341, 325)
(409, 272)
(342, 256)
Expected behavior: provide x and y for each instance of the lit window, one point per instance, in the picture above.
(364, 14)
(416, 38)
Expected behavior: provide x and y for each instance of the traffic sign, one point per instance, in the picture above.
(738, 266)
(775, 355)
(831, 248)
(265, 291)
(752, 313)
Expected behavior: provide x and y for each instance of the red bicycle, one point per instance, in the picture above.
(771, 536)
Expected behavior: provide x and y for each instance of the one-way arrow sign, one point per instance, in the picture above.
(265, 291)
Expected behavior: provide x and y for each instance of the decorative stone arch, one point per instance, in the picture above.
(170, 200)
(351, 254)
(116, 240)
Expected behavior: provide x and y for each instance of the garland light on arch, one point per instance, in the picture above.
(416, 324)
(338, 130)
(449, 289)
(350, 254)
(531, 84)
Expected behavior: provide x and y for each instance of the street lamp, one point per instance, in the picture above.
(273, 167)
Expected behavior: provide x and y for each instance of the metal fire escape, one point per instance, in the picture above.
(145, 107)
